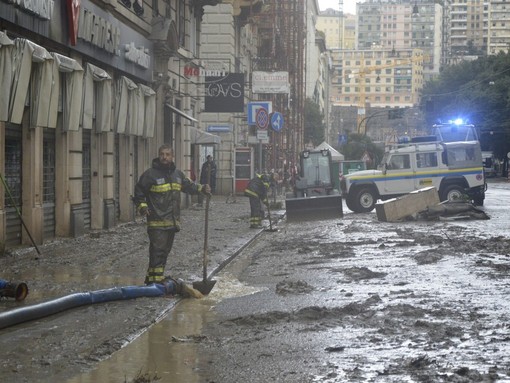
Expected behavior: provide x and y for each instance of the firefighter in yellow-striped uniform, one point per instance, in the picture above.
(257, 191)
(158, 197)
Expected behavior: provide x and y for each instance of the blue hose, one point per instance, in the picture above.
(28, 313)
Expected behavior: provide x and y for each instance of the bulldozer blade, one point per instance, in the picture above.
(317, 207)
(204, 286)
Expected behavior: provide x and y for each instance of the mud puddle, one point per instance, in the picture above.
(167, 352)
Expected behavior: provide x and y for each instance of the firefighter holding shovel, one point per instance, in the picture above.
(158, 198)
(256, 190)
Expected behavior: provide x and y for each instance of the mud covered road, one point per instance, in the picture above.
(347, 300)
(357, 300)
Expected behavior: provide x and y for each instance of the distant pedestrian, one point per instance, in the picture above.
(158, 197)
(257, 192)
(208, 173)
(208, 177)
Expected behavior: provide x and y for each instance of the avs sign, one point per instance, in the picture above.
(224, 94)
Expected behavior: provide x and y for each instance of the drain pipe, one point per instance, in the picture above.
(37, 311)
(18, 291)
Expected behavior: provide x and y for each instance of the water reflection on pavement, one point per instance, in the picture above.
(167, 351)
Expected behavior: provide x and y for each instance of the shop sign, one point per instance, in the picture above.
(138, 56)
(40, 8)
(73, 15)
(98, 31)
(270, 82)
(207, 68)
(192, 71)
(224, 94)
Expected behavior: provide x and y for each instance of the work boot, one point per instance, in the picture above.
(184, 290)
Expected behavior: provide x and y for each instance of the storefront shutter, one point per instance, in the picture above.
(150, 111)
(72, 98)
(6, 74)
(122, 106)
(45, 85)
(102, 103)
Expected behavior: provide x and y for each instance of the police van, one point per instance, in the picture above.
(455, 169)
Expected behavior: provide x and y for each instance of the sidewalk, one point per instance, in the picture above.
(76, 339)
(119, 257)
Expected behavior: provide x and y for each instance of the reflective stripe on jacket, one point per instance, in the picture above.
(257, 188)
(159, 189)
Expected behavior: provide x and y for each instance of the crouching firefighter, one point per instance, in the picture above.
(157, 196)
(257, 192)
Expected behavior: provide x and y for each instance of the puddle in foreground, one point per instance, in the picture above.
(168, 349)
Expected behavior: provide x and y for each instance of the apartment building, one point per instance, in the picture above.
(339, 28)
(468, 28)
(497, 24)
(403, 25)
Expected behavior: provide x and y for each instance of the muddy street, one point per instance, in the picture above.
(360, 300)
(351, 300)
(343, 300)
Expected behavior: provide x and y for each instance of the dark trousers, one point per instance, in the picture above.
(256, 212)
(161, 242)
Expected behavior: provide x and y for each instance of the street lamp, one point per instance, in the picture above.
(367, 118)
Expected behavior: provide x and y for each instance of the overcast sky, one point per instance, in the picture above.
(349, 5)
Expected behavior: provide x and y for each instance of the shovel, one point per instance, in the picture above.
(270, 221)
(205, 286)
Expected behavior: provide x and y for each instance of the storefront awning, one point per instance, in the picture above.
(199, 137)
(181, 113)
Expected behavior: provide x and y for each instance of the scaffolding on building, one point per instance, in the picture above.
(281, 26)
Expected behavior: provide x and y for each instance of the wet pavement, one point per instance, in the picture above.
(345, 300)
(77, 339)
(358, 300)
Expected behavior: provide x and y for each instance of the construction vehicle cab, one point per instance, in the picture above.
(314, 195)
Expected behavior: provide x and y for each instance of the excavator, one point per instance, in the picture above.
(314, 195)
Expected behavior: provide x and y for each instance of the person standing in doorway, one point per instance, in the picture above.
(208, 176)
(158, 197)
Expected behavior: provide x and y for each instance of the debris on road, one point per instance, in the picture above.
(423, 204)
(452, 210)
(397, 209)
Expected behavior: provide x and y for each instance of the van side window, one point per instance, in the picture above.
(400, 161)
(426, 160)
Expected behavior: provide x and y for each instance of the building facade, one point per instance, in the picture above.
(338, 27)
(90, 90)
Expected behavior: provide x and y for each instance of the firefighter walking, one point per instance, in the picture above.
(158, 197)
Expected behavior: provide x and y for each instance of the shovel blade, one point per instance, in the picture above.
(204, 286)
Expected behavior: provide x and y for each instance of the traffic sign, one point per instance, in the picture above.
(219, 128)
(262, 135)
(262, 118)
(277, 121)
(254, 106)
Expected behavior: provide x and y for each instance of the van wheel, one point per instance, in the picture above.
(364, 200)
(454, 193)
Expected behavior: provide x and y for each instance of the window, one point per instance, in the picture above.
(426, 160)
(182, 24)
(400, 161)
(194, 34)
